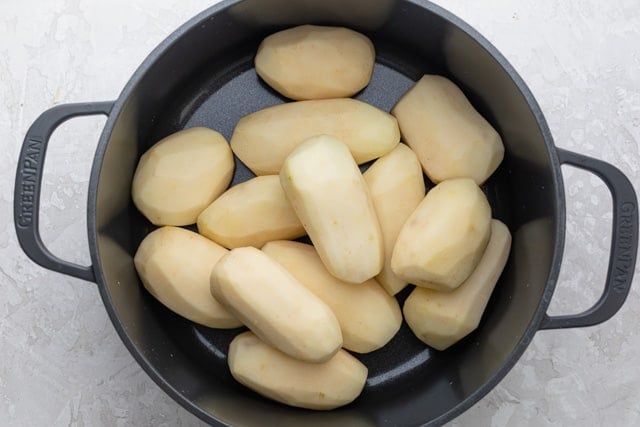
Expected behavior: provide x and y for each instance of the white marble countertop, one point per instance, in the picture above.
(62, 362)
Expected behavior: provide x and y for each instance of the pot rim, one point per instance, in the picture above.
(559, 208)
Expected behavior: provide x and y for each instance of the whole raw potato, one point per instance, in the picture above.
(280, 377)
(274, 305)
(440, 319)
(316, 62)
(442, 241)
(181, 175)
(174, 265)
(368, 316)
(251, 214)
(331, 198)
(396, 185)
(262, 140)
(450, 138)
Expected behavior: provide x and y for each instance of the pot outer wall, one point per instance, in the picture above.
(179, 87)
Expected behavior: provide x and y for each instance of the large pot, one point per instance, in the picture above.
(202, 75)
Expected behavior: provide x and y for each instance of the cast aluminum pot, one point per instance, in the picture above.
(202, 75)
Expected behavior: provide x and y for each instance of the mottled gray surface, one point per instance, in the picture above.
(62, 362)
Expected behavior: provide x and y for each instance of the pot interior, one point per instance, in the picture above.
(203, 76)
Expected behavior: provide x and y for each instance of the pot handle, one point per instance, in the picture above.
(26, 200)
(624, 244)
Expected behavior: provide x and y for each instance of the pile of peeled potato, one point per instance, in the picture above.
(373, 233)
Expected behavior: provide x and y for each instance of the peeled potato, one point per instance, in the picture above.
(251, 214)
(329, 194)
(442, 241)
(264, 139)
(441, 319)
(368, 316)
(316, 62)
(397, 187)
(274, 305)
(275, 375)
(181, 175)
(174, 265)
(451, 139)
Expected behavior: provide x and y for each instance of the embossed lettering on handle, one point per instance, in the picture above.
(625, 262)
(26, 200)
(624, 245)
(29, 171)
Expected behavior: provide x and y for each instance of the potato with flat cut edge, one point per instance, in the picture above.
(278, 376)
(251, 214)
(273, 304)
(316, 62)
(174, 265)
(263, 140)
(451, 139)
(396, 185)
(181, 175)
(331, 198)
(442, 241)
(368, 316)
(441, 319)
